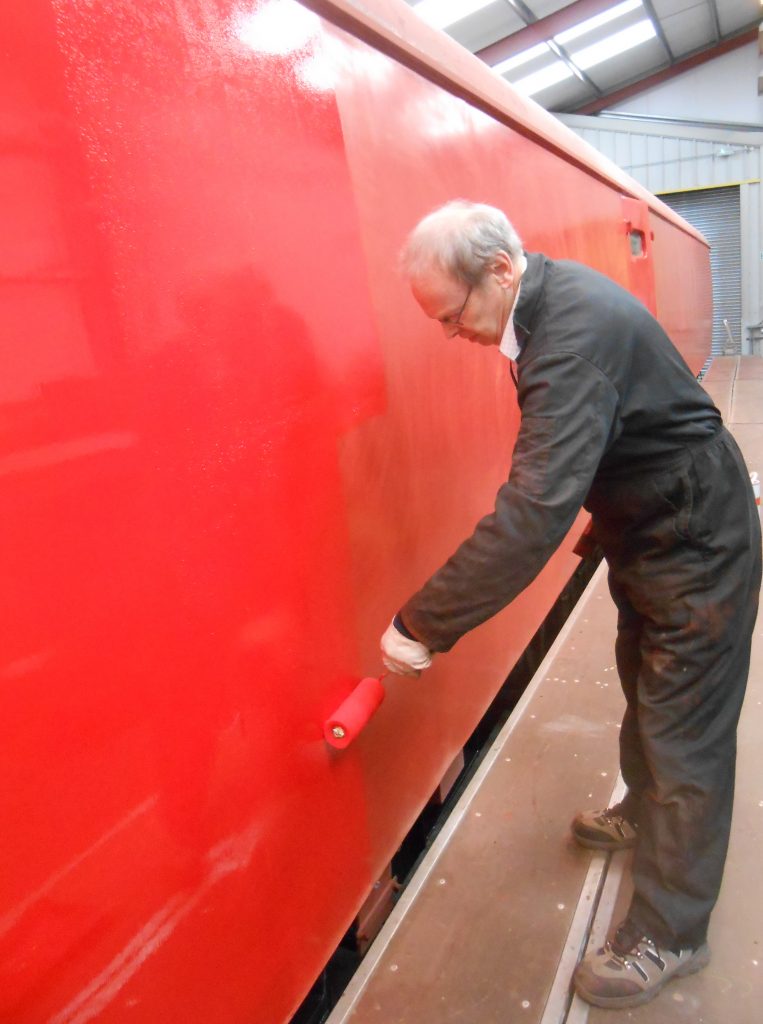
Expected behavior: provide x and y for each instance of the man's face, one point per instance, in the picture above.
(479, 313)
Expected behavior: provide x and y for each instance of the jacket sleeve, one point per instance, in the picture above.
(569, 410)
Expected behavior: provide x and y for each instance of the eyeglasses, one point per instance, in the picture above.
(455, 320)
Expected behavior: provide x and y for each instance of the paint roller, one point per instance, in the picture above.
(354, 712)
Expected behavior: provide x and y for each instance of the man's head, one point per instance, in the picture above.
(461, 261)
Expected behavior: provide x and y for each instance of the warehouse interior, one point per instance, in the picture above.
(669, 90)
(354, 559)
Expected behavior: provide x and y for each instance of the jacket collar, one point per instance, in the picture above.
(529, 295)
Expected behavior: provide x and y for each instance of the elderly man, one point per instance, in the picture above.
(613, 420)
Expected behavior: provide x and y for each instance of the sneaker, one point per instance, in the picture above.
(615, 976)
(604, 830)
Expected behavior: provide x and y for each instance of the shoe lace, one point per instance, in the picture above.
(615, 815)
(630, 946)
(619, 958)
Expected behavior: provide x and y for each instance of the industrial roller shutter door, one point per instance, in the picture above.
(715, 212)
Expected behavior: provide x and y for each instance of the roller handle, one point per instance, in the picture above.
(354, 713)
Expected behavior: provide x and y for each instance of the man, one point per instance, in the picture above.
(612, 419)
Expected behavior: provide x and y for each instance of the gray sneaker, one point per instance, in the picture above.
(612, 977)
(604, 830)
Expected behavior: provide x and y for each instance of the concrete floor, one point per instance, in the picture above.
(501, 908)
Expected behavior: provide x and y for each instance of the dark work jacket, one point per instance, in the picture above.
(604, 395)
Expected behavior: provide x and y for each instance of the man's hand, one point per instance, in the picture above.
(403, 656)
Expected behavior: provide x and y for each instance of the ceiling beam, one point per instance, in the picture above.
(716, 23)
(542, 30)
(562, 54)
(558, 50)
(700, 57)
(649, 8)
(523, 11)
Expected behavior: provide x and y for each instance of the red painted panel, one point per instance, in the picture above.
(684, 292)
(231, 446)
(180, 363)
(638, 232)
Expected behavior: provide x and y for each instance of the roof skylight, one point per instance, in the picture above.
(442, 13)
(584, 57)
(583, 27)
(521, 58)
(614, 45)
(540, 80)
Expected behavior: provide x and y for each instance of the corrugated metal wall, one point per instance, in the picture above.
(668, 163)
(716, 213)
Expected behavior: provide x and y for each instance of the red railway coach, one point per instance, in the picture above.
(231, 445)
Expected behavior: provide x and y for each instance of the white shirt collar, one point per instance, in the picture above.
(509, 345)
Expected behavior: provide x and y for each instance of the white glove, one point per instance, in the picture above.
(402, 656)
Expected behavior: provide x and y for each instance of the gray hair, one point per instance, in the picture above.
(461, 238)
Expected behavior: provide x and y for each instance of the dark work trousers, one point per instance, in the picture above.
(684, 552)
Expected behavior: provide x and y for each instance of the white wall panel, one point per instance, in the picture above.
(724, 89)
(664, 161)
(751, 216)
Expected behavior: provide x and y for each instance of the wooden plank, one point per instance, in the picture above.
(747, 401)
(750, 368)
(721, 368)
(720, 391)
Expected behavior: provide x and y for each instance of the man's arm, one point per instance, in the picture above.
(568, 410)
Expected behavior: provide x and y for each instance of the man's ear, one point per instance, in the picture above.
(503, 269)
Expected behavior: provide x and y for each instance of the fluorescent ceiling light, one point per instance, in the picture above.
(442, 13)
(523, 57)
(540, 80)
(613, 45)
(601, 19)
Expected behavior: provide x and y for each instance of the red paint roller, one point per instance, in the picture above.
(354, 712)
